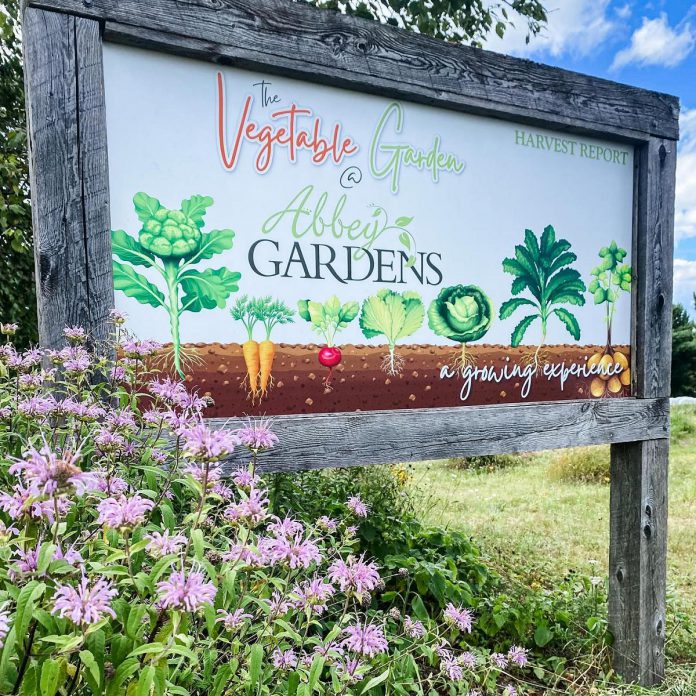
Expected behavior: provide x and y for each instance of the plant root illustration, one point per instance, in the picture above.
(327, 319)
(392, 315)
(170, 243)
(462, 313)
(609, 279)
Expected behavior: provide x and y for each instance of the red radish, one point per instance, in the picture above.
(329, 356)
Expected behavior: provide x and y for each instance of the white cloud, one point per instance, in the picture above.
(623, 12)
(684, 283)
(575, 27)
(656, 43)
(685, 204)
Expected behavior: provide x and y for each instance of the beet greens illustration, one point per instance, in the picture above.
(327, 319)
(171, 243)
(542, 268)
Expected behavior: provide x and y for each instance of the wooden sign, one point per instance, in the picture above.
(406, 249)
(300, 248)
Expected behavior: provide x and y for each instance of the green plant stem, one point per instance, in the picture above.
(25, 658)
(171, 272)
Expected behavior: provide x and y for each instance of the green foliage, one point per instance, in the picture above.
(461, 21)
(486, 462)
(17, 294)
(329, 317)
(462, 313)
(581, 464)
(171, 243)
(542, 268)
(272, 312)
(683, 352)
(682, 422)
(609, 279)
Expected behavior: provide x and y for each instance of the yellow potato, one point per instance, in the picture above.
(614, 385)
(625, 378)
(594, 359)
(597, 387)
(621, 359)
(606, 364)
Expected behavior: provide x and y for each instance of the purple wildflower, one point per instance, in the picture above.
(167, 389)
(201, 442)
(313, 595)
(46, 472)
(84, 604)
(366, 640)
(133, 348)
(294, 552)
(414, 629)
(351, 669)
(458, 617)
(189, 593)
(159, 545)
(123, 512)
(234, 620)
(328, 524)
(357, 506)
(9, 329)
(109, 441)
(354, 575)
(75, 334)
(284, 659)
(4, 625)
(118, 317)
(451, 667)
(257, 436)
(509, 690)
(499, 660)
(277, 605)
(468, 659)
(285, 528)
(252, 510)
(518, 656)
(243, 478)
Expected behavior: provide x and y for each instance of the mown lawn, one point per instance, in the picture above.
(535, 529)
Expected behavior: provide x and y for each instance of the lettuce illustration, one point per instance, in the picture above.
(394, 316)
(171, 243)
(462, 313)
(542, 268)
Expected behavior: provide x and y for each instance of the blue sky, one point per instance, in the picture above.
(649, 44)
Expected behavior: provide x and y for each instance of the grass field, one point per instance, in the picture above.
(535, 528)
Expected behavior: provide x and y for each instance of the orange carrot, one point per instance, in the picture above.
(266, 355)
(250, 351)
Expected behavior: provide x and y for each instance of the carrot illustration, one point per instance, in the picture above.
(266, 355)
(270, 313)
(244, 310)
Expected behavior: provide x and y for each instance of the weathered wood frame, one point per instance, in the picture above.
(69, 178)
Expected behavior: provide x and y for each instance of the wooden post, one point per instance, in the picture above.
(68, 173)
(638, 516)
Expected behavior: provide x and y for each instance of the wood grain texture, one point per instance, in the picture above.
(68, 173)
(637, 559)
(292, 39)
(653, 261)
(385, 437)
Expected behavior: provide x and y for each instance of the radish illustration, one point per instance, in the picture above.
(327, 319)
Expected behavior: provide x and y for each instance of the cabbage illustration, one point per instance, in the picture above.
(462, 313)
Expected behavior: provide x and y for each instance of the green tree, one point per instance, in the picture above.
(17, 296)
(459, 21)
(683, 352)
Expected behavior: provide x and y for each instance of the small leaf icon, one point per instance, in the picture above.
(403, 221)
(405, 240)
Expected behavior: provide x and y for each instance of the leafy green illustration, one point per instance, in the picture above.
(392, 315)
(462, 313)
(609, 279)
(329, 317)
(542, 268)
(171, 242)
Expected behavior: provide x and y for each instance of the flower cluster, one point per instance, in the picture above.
(139, 543)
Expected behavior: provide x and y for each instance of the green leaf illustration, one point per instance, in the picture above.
(208, 289)
(137, 286)
(520, 330)
(129, 249)
(145, 206)
(571, 323)
(213, 243)
(507, 308)
(196, 207)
